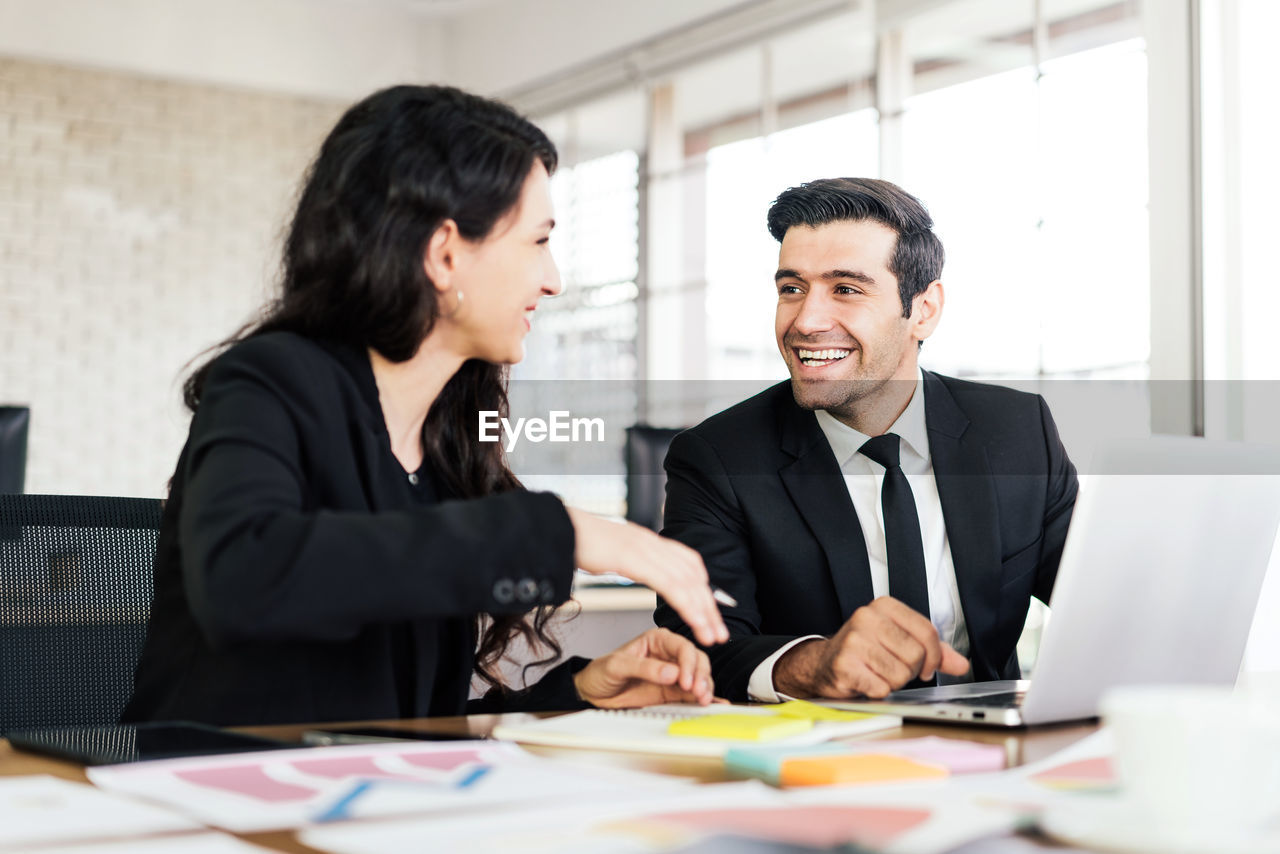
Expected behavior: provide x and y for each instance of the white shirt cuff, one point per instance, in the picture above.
(760, 685)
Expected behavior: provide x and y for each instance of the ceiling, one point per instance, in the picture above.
(427, 8)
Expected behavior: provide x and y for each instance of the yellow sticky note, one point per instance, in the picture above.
(740, 727)
(857, 768)
(813, 712)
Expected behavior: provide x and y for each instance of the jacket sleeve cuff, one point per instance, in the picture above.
(545, 575)
(760, 686)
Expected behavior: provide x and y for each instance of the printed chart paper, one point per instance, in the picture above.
(289, 788)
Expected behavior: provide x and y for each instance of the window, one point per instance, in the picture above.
(581, 355)
(743, 178)
(1028, 143)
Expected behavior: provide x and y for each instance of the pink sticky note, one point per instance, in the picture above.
(956, 755)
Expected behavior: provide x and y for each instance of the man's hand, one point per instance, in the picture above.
(658, 667)
(879, 649)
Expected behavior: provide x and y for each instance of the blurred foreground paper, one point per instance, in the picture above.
(208, 842)
(44, 810)
(744, 818)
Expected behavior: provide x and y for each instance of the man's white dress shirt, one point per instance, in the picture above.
(864, 478)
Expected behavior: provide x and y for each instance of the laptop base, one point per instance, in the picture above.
(995, 703)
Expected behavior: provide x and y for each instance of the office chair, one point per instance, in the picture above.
(14, 424)
(646, 449)
(75, 595)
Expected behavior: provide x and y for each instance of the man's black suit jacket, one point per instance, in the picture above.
(301, 576)
(757, 491)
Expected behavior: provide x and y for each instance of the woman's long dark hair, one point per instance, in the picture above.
(396, 166)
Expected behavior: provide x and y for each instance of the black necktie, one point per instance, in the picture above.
(905, 550)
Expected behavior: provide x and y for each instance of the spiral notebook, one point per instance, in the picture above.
(649, 730)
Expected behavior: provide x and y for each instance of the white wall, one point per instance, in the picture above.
(138, 224)
(321, 48)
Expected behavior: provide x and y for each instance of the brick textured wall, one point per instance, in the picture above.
(140, 222)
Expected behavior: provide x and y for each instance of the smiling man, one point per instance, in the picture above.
(879, 525)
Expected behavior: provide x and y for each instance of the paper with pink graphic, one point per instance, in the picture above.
(250, 792)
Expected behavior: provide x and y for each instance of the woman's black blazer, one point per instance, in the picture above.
(302, 575)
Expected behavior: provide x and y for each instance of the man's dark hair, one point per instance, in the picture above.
(917, 257)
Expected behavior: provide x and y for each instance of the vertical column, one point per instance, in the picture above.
(1223, 244)
(673, 294)
(768, 99)
(893, 87)
(662, 324)
(693, 347)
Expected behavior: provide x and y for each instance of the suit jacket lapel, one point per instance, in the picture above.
(969, 509)
(817, 487)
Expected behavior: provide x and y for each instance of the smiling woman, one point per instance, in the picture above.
(338, 542)
(505, 274)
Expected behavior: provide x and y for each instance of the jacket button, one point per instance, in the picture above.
(504, 590)
(527, 591)
(547, 593)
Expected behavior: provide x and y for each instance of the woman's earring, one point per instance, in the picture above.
(457, 306)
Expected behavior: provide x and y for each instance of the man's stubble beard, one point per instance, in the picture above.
(839, 397)
(846, 399)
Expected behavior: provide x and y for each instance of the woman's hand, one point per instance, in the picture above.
(657, 667)
(673, 570)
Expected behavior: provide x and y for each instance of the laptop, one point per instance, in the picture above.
(1158, 583)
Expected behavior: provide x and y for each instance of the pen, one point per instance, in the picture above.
(723, 598)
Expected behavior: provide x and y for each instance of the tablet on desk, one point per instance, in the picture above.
(111, 745)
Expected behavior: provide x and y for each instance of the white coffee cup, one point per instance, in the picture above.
(1204, 760)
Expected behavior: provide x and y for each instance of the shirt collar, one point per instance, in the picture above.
(910, 426)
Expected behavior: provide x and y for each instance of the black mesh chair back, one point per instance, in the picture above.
(75, 594)
(646, 449)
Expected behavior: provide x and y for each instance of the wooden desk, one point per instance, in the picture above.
(1021, 747)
